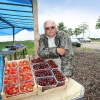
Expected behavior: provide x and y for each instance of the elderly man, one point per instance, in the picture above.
(56, 44)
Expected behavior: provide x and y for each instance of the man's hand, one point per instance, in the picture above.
(61, 51)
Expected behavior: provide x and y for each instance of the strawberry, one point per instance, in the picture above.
(10, 92)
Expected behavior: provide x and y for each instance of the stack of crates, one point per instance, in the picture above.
(1, 73)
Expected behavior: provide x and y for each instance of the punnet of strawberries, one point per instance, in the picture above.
(12, 70)
(11, 79)
(26, 86)
(11, 90)
(25, 76)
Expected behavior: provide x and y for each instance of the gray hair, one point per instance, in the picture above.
(49, 21)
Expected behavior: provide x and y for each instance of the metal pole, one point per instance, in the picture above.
(89, 32)
(13, 35)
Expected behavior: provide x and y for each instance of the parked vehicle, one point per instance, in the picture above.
(84, 39)
(81, 40)
(75, 42)
(87, 39)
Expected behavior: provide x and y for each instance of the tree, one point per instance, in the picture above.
(70, 31)
(61, 26)
(83, 27)
(77, 31)
(98, 23)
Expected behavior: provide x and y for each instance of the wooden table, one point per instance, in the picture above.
(12, 54)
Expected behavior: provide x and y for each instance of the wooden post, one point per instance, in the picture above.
(36, 34)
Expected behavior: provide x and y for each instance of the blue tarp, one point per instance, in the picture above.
(1, 73)
(15, 15)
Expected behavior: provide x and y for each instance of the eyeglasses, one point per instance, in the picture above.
(48, 28)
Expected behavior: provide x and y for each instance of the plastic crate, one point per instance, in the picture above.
(25, 76)
(11, 90)
(59, 77)
(43, 73)
(37, 60)
(52, 64)
(40, 66)
(11, 71)
(11, 79)
(45, 90)
(46, 82)
(24, 69)
(26, 86)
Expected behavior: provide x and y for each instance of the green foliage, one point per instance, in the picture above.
(77, 31)
(61, 26)
(70, 31)
(98, 23)
(80, 29)
(83, 27)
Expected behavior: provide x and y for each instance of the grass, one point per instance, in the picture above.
(86, 49)
(95, 40)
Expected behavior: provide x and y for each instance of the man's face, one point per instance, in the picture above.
(50, 29)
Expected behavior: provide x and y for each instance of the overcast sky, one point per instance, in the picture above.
(71, 12)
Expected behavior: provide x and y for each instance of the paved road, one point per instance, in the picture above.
(92, 45)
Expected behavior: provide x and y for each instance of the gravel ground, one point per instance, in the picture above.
(87, 72)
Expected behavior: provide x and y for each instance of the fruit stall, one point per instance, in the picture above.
(36, 79)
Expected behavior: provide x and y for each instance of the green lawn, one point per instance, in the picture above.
(96, 40)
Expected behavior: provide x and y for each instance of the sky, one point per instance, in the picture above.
(20, 36)
(71, 12)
